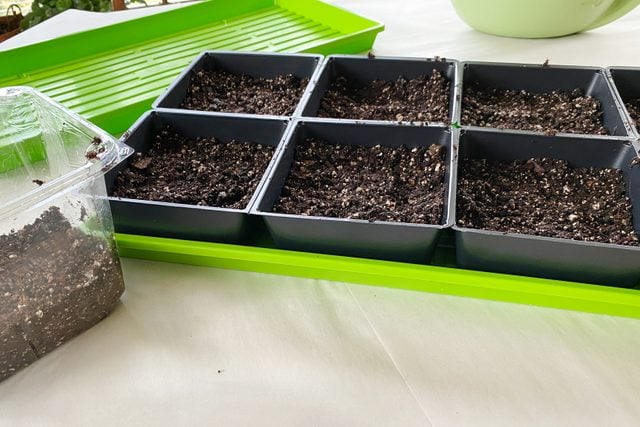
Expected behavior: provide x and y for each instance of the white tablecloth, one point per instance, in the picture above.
(191, 346)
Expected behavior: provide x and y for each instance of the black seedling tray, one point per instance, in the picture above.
(254, 64)
(626, 81)
(353, 237)
(363, 70)
(184, 221)
(478, 249)
(544, 79)
(554, 258)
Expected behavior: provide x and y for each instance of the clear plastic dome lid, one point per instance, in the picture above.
(45, 148)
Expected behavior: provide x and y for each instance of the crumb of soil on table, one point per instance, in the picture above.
(545, 197)
(241, 93)
(550, 113)
(56, 282)
(195, 171)
(422, 99)
(370, 183)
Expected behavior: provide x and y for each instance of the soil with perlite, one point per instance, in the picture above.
(240, 93)
(633, 107)
(203, 171)
(421, 99)
(377, 183)
(57, 281)
(549, 113)
(545, 197)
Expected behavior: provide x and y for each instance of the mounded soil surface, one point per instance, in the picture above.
(633, 107)
(545, 197)
(550, 113)
(195, 171)
(233, 93)
(377, 184)
(423, 99)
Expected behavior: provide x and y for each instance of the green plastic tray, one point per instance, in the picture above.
(442, 280)
(111, 75)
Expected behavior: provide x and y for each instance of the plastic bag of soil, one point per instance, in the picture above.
(60, 271)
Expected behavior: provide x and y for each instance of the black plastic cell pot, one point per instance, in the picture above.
(592, 81)
(184, 221)
(362, 70)
(352, 237)
(555, 258)
(626, 81)
(254, 64)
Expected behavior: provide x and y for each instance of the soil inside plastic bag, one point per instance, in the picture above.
(56, 281)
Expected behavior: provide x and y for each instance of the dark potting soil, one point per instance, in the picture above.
(423, 99)
(557, 111)
(195, 171)
(235, 93)
(376, 184)
(546, 197)
(633, 107)
(56, 282)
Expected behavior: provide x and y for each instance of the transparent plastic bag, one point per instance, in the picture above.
(59, 268)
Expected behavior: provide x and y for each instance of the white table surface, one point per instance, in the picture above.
(191, 345)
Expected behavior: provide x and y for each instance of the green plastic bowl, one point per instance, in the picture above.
(540, 18)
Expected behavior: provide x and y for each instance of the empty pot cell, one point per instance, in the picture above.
(356, 87)
(627, 83)
(193, 176)
(377, 191)
(557, 207)
(540, 98)
(249, 83)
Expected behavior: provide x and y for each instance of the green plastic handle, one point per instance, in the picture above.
(618, 9)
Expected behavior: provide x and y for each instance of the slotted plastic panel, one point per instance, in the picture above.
(112, 83)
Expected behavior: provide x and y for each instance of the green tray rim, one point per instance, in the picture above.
(424, 278)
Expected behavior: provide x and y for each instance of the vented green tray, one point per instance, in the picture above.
(111, 75)
(442, 280)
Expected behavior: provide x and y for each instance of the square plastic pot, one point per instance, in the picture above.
(363, 70)
(542, 79)
(352, 237)
(626, 81)
(184, 221)
(554, 258)
(255, 64)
